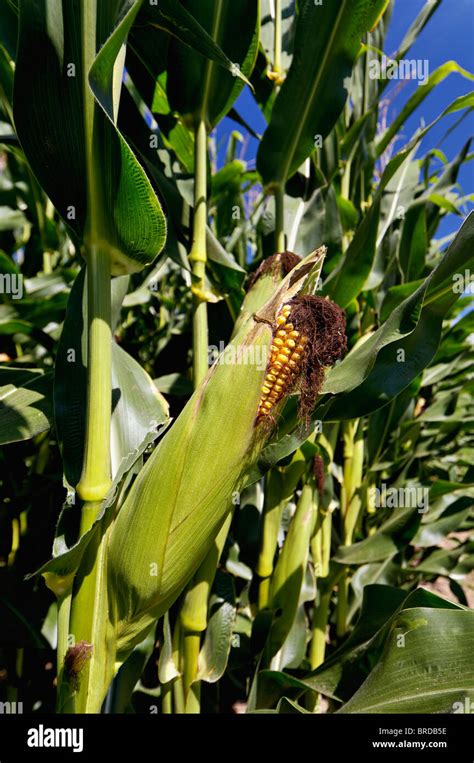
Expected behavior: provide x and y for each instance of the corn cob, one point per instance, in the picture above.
(287, 356)
(308, 335)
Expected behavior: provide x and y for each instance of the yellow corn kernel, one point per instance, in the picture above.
(287, 351)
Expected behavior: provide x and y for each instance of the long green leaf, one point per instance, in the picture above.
(197, 87)
(418, 97)
(25, 410)
(327, 40)
(426, 666)
(51, 82)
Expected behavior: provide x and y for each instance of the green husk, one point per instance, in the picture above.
(177, 505)
(262, 286)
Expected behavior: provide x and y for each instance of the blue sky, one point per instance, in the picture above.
(449, 35)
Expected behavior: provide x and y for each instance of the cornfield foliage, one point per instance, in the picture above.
(264, 461)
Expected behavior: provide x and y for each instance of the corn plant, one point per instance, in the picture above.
(268, 525)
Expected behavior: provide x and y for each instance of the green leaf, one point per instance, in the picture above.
(271, 685)
(342, 673)
(174, 384)
(393, 535)
(426, 665)
(167, 670)
(418, 97)
(176, 19)
(25, 408)
(413, 243)
(218, 639)
(350, 278)
(81, 161)
(373, 370)
(348, 667)
(287, 579)
(198, 88)
(11, 219)
(395, 296)
(443, 203)
(454, 563)
(287, 706)
(327, 41)
(432, 532)
(121, 689)
(417, 27)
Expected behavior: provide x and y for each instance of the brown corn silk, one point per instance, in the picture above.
(308, 336)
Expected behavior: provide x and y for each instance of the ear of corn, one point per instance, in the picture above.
(179, 501)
